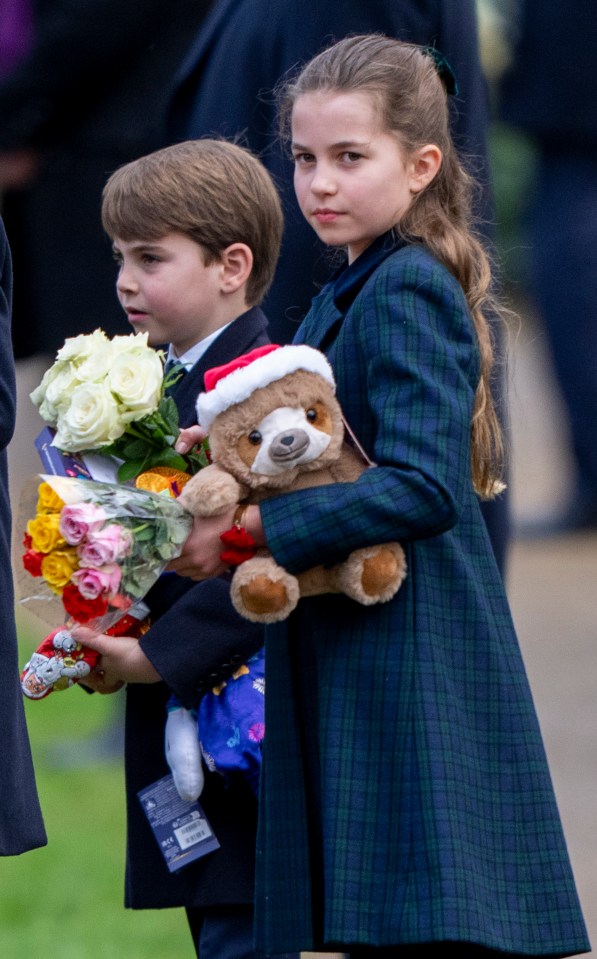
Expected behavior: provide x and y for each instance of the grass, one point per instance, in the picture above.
(65, 901)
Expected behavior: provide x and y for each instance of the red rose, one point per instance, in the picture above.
(32, 561)
(80, 608)
(27, 541)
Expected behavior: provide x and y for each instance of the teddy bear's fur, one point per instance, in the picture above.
(288, 435)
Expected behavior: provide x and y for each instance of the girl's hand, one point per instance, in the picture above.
(122, 661)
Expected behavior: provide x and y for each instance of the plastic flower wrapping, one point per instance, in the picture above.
(91, 553)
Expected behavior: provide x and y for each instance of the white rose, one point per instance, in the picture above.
(53, 395)
(91, 421)
(78, 348)
(132, 343)
(135, 379)
(94, 367)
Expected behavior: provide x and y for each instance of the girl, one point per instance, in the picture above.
(407, 808)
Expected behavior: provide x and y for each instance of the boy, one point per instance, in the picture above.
(196, 231)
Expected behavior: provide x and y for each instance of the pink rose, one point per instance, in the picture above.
(77, 521)
(104, 546)
(92, 583)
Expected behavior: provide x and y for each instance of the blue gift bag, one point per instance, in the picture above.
(231, 722)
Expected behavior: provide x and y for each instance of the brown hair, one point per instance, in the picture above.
(412, 102)
(214, 191)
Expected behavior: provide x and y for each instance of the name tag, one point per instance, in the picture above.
(181, 829)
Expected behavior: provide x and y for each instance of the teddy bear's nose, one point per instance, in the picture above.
(289, 446)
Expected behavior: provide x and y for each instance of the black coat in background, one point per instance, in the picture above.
(89, 97)
(21, 825)
(197, 641)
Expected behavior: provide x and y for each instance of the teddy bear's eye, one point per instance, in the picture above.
(255, 437)
(311, 415)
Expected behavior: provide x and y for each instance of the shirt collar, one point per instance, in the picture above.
(195, 353)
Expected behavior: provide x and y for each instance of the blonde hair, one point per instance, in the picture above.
(215, 192)
(412, 102)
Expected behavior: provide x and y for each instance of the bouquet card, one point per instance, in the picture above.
(58, 462)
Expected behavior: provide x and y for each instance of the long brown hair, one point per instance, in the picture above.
(412, 101)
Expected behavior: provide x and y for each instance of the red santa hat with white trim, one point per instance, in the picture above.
(234, 382)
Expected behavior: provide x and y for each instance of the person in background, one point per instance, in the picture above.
(87, 96)
(195, 230)
(21, 822)
(544, 95)
(404, 776)
(225, 87)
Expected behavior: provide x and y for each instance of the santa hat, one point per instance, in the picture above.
(234, 382)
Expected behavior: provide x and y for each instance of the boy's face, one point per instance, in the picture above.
(167, 291)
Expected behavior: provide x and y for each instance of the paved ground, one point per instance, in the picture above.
(551, 584)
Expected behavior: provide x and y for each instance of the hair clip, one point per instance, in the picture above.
(444, 70)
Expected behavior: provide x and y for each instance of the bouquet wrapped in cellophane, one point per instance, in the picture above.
(94, 549)
(91, 553)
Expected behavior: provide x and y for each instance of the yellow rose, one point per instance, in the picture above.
(58, 567)
(45, 533)
(48, 500)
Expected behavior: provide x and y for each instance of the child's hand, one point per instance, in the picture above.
(122, 661)
(188, 438)
(200, 558)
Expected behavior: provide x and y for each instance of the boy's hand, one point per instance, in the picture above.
(200, 558)
(122, 661)
(188, 438)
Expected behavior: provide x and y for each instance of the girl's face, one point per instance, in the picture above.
(352, 179)
(166, 290)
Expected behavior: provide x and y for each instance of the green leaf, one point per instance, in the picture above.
(130, 470)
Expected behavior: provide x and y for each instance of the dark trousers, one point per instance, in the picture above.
(431, 950)
(225, 932)
(563, 233)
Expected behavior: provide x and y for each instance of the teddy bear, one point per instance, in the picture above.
(274, 426)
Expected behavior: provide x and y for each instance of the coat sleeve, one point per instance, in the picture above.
(407, 349)
(198, 639)
(21, 825)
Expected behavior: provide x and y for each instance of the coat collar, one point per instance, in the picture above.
(349, 280)
(338, 295)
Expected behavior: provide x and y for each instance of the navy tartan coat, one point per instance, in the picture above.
(406, 795)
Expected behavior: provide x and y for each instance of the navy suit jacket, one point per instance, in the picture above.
(196, 641)
(21, 825)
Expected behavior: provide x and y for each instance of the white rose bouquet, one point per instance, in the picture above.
(109, 396)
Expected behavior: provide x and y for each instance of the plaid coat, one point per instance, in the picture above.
(406, 795)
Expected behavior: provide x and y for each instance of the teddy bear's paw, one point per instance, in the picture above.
(263, 592)
(210, 492)
(374, 574)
